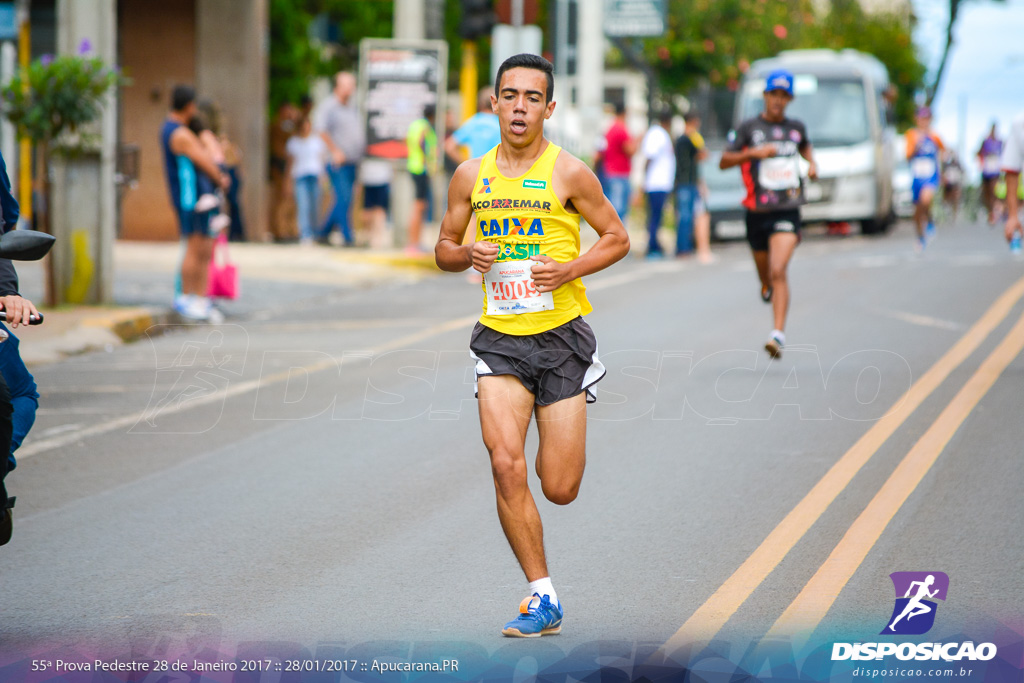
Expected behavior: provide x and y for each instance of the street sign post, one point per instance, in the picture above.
(398, 79)
(634, 18)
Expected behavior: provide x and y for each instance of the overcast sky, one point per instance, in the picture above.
(985, 71)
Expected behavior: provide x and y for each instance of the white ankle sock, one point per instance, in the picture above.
(780, 335)
(543, 587)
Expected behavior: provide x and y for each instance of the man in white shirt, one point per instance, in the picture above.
(1012, 161)
(659, 175)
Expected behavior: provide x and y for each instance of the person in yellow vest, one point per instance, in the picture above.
(421, 143)
(535, 355)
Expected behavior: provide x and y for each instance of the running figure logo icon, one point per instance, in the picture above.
(914, 612)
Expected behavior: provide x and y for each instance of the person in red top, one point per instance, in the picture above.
(620, 147)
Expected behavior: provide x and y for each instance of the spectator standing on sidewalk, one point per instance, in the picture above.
(307, 156)
(282, 212)
(659, 175)
(479, 134)
(231, 164)
(343, 133)
(421, 143)
(376, 176)
(688, 155)
(184, 158)
(618, 161)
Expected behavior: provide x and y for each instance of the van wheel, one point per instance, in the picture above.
(873, 226)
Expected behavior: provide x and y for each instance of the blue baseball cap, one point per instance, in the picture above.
(780, 79)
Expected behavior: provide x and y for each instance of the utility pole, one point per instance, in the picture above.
(410, 17)
(590, 74)
(25, 145)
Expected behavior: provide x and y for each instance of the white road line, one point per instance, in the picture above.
(127, 421)
(916, 319)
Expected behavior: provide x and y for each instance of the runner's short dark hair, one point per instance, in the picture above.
(182, 96)
(528, 61)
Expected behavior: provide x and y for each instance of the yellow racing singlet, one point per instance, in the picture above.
(524, 217)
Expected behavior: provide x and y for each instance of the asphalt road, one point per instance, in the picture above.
(310, 479)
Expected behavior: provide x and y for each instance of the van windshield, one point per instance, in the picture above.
(834, 110)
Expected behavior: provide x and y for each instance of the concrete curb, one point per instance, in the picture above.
(130, 324)
(400, 261)
(94, 332)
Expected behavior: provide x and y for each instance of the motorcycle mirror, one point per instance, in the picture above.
(25, 245)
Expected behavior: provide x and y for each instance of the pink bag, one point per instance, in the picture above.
(222, 279)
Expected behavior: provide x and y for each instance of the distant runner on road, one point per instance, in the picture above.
(535, 355)
(768, 148)
(988, 158)
(1012, 162)
(924, 150)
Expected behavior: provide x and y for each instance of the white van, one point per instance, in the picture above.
(840, 97)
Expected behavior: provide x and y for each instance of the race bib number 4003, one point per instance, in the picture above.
(511, 290)
(779, 173)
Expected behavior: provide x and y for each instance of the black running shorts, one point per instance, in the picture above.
(553, 365)
(421, 181)
(761, 226)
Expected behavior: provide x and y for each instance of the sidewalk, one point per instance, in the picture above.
(272, 276)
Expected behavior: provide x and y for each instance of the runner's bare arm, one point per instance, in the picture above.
(573, 180)
(807, 152)
(732, 158)
(1012, 203)
(449, 252)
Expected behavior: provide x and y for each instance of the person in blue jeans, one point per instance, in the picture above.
(18, 396)
(343, 134)
(306, 155)
(688, 156)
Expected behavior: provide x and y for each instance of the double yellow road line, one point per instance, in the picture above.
(817, 597)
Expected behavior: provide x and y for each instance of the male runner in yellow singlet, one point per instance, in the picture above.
(534, 352)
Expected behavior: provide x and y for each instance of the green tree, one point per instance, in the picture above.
(954, 11)
(297, 57)
(715, 41)
(294, 59)
(887, 37)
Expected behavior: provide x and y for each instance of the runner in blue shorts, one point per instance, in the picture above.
(924, 149)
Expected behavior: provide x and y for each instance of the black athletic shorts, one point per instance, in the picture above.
(553, 365)
(376, 196)
(422, 183)
(761, 226)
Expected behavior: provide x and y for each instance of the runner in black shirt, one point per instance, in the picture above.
(767, 148)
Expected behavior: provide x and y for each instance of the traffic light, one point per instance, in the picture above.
(478, 19)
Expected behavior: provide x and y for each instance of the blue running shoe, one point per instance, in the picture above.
(1015, 246)
(929, 231)
(537, 617)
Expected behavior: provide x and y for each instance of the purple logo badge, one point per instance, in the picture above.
(914, 612)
